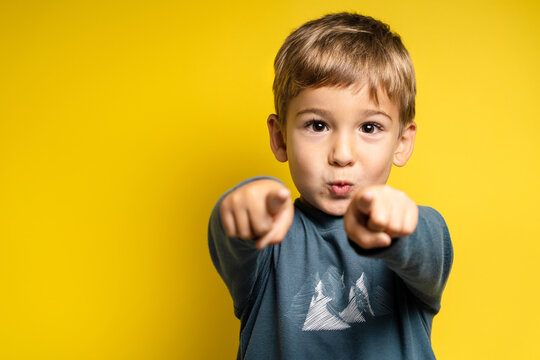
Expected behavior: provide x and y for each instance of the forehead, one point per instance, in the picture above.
(342, 102)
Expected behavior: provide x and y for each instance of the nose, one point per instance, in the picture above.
(341, 153)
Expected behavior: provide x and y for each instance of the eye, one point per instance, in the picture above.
(316, 126)
(371, 128)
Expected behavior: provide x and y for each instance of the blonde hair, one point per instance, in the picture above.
(340, 50)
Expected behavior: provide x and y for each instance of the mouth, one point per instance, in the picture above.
(340, 188)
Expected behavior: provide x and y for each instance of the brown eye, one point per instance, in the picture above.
(316, 126)
(370, 128)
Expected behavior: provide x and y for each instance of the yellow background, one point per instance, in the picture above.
(122, 122)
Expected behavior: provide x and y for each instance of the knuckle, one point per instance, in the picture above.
(394, 232)
(224, 206)
(409, 228)
(266, 225)
(261, 227)
(229, 202)
(244, 234)
(252, 192)
(379, 219)
(394, 228)
(234, 200)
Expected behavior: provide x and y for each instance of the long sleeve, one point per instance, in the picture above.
(423, 259)
(237, 261)
(312, 297)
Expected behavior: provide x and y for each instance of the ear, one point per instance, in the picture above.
(277, 140)
(405, 145)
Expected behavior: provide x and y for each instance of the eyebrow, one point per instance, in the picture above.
(317, 111)
(328, 114)
(376, 112)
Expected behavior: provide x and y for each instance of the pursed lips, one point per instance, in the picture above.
(340, 182)
(340, 187)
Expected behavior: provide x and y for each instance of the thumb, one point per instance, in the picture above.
(276, 199)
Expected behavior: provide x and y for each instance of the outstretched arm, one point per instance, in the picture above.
(412, 240)
(247, 218)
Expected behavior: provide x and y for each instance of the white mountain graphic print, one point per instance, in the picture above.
(358, 299)
(334, 305)
(318, 316)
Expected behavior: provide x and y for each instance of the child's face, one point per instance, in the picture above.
(339, 141)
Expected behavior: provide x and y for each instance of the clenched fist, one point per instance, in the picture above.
(378, 213)
(261, 210)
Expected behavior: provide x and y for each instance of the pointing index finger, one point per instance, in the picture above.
(276, 199)
(364, 202)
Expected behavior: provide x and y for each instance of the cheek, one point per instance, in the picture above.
(304, 160)
(301, 162)
(378, 163)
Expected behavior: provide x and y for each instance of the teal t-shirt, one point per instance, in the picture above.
(316, 295)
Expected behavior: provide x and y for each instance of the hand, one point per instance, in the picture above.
(260, 210)
(378, 213)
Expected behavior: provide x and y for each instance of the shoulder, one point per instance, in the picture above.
(427, 213)
(431, 224)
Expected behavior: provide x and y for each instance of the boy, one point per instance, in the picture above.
(354, 269)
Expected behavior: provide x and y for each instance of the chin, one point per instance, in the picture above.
(336, 209)
(339, 212)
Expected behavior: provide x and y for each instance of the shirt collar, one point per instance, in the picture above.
(319, 218)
